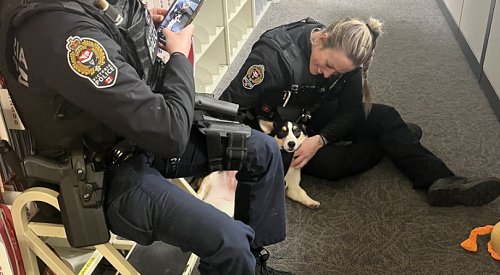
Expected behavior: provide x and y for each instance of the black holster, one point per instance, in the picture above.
(80, 197)
(80, 200)
(226, 141)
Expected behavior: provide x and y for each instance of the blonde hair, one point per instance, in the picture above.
(358, 40)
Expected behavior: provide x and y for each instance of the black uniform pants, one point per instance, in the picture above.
(143, 206)
(384, 133)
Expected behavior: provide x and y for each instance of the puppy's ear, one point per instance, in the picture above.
(266, 126)
(303, 127)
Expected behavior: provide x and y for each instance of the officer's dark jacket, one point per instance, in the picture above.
(69, 92)
(346, 94)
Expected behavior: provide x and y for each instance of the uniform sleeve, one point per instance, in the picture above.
(261, 73)
(350, 110)
(83, 64)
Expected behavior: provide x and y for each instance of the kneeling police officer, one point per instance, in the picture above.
(86, 73)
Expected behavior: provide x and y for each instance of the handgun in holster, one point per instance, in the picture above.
(217, 115)
(226, 138)
(80, 197)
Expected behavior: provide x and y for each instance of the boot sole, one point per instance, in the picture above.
(477, 194)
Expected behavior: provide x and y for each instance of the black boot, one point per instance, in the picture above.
(453, 190)
(262, 255)
(415, 129)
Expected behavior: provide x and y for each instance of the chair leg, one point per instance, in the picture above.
(116, 259)
(31, 245)
(25, 236)
(191, 263)
(48, 256)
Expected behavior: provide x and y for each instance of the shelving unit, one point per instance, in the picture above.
(240, 25)
(221, 28)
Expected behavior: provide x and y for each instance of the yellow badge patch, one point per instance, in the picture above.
(254, 76)
(88, 59)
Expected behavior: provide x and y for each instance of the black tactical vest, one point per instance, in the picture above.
(300, 100)
(137, 37)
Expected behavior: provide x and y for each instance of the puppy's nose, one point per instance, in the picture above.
(291, 144)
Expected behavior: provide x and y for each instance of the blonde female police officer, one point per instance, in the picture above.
(81, 72)
(307, 72)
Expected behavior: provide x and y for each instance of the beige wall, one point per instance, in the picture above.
(492, 57)
(473, 23)
(455, 9)
(471, 17)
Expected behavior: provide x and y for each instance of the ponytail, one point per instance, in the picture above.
(358, 40)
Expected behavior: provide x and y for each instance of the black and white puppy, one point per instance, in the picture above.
(289, 136)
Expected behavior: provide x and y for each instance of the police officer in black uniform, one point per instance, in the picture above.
(306, 72)
(83, 73)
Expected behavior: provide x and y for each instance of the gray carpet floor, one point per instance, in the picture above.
(375, 223)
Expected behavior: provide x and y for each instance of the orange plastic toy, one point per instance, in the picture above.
(493, 246)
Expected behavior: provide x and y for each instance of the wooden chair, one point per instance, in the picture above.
(32, 237)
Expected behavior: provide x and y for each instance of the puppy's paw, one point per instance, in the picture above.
(313, 204)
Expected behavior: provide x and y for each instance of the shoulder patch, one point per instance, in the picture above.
(88, 59)
(254, 76)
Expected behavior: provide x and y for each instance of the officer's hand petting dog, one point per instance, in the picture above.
(306, 151)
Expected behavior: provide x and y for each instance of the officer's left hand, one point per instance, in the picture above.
(306, 151)
(157, 15)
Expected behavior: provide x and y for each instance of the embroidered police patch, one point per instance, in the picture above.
(254, 76)
(89, 59)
